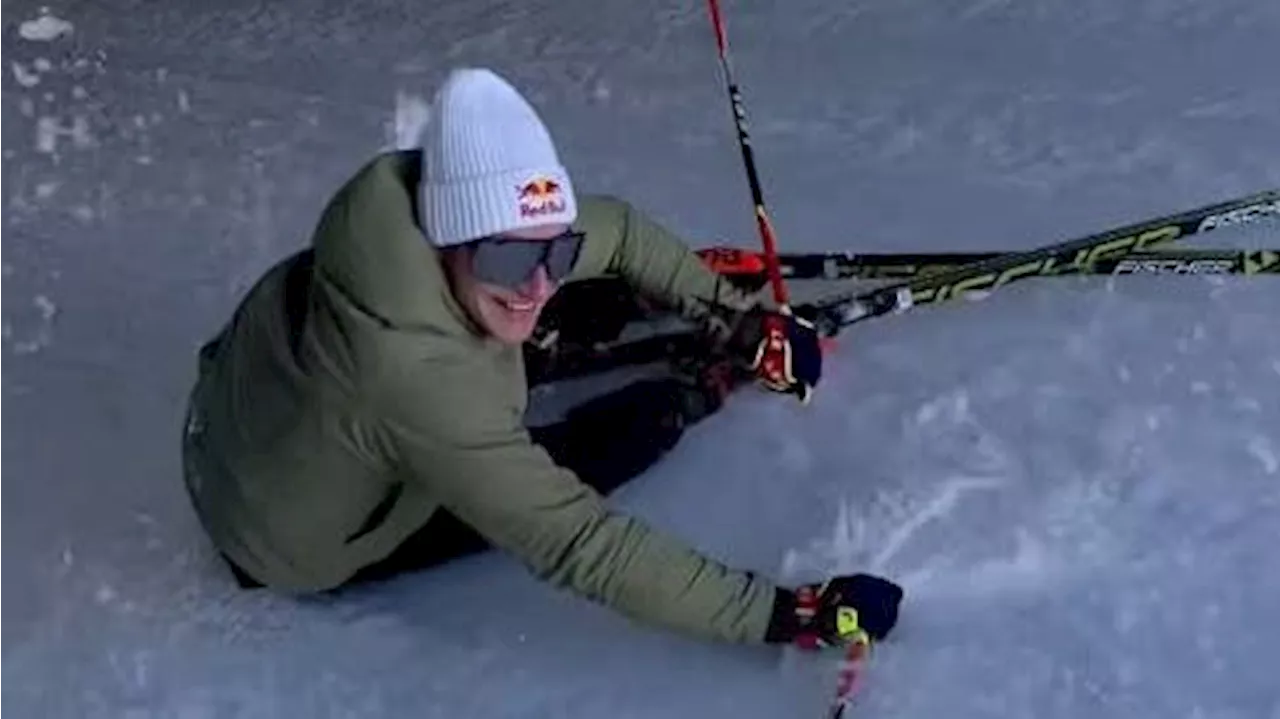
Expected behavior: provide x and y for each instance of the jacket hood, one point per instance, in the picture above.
(371, 248)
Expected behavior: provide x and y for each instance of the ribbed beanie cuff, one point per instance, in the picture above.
(466, 209)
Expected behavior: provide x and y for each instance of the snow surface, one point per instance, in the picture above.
(1076, 480)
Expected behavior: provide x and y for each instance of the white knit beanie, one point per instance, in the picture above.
(489, 165)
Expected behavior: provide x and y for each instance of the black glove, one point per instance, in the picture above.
(784, 351)
(837, 612)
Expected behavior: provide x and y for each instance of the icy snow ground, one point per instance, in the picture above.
(1076, 480)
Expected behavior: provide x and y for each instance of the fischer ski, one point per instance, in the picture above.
(844, 309)
(929, 278)
(741, 266)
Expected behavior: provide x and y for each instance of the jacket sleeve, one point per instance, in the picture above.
(622, 241)
(479, 461)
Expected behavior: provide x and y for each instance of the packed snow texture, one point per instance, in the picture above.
(1076, 480)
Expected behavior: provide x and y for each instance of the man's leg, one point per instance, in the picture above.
(580, 315)
(615, 437)
(606, 442)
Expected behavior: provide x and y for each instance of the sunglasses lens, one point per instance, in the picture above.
(510, 263)
(562, 255)
(505, 263)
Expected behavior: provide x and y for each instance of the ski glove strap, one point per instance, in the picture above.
(838, 612)
(788, 357)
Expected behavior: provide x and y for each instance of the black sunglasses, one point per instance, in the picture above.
(510, 262)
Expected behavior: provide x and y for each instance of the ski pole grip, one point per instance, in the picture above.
(786, 364)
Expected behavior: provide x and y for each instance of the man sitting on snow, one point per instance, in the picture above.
(362, 413)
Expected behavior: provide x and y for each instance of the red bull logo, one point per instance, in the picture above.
(540, 196)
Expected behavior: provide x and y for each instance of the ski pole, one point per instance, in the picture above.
(748, 159)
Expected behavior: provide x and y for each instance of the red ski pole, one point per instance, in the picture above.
(748, 159)
(769, 361)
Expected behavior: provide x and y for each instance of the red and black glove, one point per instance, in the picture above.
(838, 612)
(783, 350)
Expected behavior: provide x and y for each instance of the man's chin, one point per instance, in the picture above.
(510, 336)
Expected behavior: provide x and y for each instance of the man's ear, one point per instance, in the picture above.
(456, 259)
(455, 262)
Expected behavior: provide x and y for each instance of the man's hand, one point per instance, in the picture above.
(787, 357)
(837, 612)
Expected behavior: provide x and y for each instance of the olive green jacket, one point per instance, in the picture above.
(316, 445)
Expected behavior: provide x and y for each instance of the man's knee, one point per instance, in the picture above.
(591, 311)
(615, 437)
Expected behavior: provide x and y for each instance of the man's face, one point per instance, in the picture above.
(509, 314)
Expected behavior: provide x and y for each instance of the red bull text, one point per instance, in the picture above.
(539, 197)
